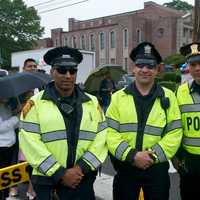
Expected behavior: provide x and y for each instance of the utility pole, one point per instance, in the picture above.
(196, 24)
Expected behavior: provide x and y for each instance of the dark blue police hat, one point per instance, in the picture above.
(63, 57)
(145, 53)
(191, 51)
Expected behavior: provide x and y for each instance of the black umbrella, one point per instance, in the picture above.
(94, 79)
(16, 84)
(44, 76)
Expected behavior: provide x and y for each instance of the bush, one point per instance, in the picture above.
(169, 84)
(169, 76)
(176, 59)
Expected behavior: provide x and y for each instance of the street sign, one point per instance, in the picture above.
(13, 175)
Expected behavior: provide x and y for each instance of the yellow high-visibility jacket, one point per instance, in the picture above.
(162, 133)
(43, 136)
(189, 103)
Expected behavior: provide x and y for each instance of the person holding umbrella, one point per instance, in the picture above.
(8, 124)
(18, 84)
(29, 66)
(107, 87)
(144, 131)
(63, 132)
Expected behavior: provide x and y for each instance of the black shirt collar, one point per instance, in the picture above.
(132, 89)
(195, 87)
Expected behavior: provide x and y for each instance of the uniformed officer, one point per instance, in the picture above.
(63, 132)
(144, 131)
(187, 160)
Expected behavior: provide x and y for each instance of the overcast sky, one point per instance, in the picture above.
(82, 11)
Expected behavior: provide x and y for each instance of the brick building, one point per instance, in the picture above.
(43, 43)
(113, 37)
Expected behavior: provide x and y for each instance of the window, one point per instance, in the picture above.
(112, 39)
(56, 42)
(102, 61)
(92, 42)
(102, 41)
(82, 42)
(83, 25)
(184, 32)
(125, 38)
(74, 44)
(112, 60)
(138, 36)
(91, 23)
(160, 32)
(65, 41)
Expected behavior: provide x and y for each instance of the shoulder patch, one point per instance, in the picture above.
(27, 107)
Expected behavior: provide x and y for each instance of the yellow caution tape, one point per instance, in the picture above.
(13, 175)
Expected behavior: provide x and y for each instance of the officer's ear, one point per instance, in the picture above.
(156, 69)
(133, 68)
(51, 71)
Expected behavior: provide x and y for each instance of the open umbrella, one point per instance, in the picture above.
(44, 76)
(93, 81)
(16, 84)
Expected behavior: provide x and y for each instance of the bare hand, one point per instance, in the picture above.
(72, 177)
(143, 159)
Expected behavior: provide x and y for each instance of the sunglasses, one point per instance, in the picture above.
(148, 66)
(65, 70)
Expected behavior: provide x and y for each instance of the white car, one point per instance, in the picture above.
(125, 81)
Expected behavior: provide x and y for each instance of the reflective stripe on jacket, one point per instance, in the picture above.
(43, 136)
(163, 137)
(189, 103)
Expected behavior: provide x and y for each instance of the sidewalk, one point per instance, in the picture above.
(103, 185)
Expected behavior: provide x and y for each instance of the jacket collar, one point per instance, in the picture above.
(50, 93)
(155, 90)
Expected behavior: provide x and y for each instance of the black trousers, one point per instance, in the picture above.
(84, 191)
(154, 181)
(189, 176)
(189, 186)
(6, 159)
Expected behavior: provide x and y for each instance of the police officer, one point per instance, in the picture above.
(63, 132)
(144, 131)
(187, 160)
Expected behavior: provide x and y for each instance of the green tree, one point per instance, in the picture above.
(19, 28)
(175, 59)
(179, 5)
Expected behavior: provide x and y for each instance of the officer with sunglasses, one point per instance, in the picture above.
(187, 159)
(144, 131)
(63, 132)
